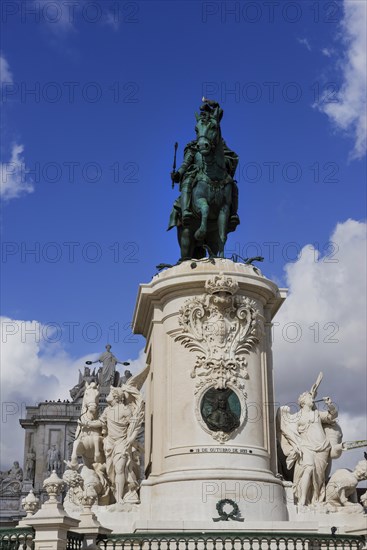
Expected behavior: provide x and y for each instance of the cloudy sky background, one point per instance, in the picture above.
(85, 181)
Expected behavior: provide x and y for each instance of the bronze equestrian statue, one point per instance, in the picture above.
(206, 210)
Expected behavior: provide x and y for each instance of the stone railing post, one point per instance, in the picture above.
(89, 525)
(51, 523)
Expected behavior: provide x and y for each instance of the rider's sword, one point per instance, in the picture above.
(174, 164)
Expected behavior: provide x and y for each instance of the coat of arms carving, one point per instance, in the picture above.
(222, 327)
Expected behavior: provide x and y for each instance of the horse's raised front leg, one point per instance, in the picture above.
(203, 207)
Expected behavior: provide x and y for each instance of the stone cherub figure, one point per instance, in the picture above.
(306, 442)
(341, 489)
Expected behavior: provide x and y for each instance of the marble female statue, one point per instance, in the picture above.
(109, 361)
(306, 445)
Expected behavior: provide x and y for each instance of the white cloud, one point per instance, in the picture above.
(14, 175)
(14, 178)
(138, 364)
(305, 42)
(59, 16)
(322, 327)
(111, 20)
(5, 73)
(34, 369)
(31, 371)
(327, 52)
(62, 17)
(348, 113)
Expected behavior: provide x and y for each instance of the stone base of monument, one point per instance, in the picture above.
(229, 526)
(260, 495)
(210, 426)
(352, 524)
(210, 441)
(302, 522)
(210, 429)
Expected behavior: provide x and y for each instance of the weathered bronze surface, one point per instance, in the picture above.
(206, 210)
(221, 410)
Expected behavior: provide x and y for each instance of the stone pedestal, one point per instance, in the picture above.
(208, 327)
(90, 527)
(51, 524)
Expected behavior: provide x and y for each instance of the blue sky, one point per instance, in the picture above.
(87, 156)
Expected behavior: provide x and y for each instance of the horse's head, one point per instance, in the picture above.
(207, 133)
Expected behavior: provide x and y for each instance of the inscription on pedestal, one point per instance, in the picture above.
(227, 450)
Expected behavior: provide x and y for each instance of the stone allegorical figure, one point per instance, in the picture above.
(306, 445)
(88, 438)
(341, 489)
(109, 361)
(91, 395)
(125, 378)
(121, 421)
(53, 459)
(30, 465)
(14, 474)
(11, 480)
(78, 390)
(88, 445)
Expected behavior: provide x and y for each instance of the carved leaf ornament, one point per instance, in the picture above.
(222, 328)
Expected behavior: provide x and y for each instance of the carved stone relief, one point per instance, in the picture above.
(222, 327)
(221, 412)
